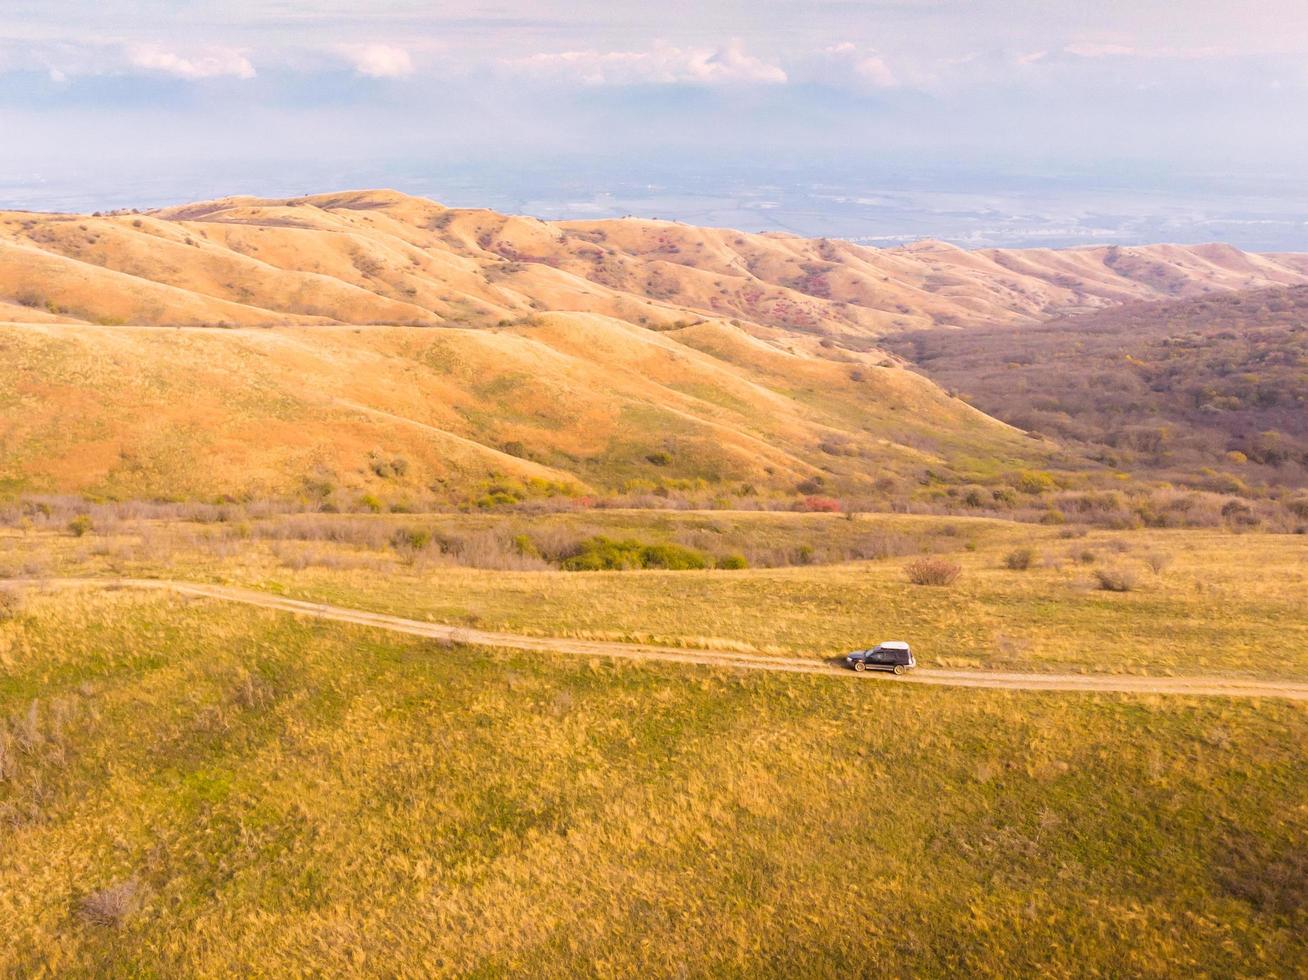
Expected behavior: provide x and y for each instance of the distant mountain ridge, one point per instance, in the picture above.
(384, 257)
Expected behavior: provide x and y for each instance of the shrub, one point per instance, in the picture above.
(1115, 579)
(410, 539)
(733, 562)
(604, 554)
(820, 505)
(659, 459)
(371, 503)
(396, 466)
(525, 546)
(1237, 512)
(1034, 481)
(1157, 561)
(932, 571)
(113, 905)
(1019, 559)
(80, 525)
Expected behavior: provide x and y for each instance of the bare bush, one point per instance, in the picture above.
(114, 905)
(497, 551)
(932, 571)
(1115, 579)
(1158, 561)
(1020, 559)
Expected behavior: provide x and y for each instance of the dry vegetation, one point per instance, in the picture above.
(1212, 392)
(205, 789)
(1198, 601)
(647, 361)
(641, 431)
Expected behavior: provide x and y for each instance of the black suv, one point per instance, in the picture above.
(894, 656)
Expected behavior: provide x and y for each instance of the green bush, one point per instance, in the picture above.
(525, 546)
(733, 562)
(605, 554)
(410, 539)
(1034, 481)
(80, 525)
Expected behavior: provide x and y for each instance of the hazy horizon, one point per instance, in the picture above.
(982, 123)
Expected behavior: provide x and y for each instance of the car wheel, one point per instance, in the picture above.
(859, 665)
(899, 668)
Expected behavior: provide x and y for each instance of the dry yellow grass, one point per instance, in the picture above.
(200, 789)
(580, 400)
(1218, 603)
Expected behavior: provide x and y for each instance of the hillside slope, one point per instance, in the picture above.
(573, 357)
(566, 403)
(1212, 390)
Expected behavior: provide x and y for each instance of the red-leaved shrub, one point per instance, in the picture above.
(821, 505)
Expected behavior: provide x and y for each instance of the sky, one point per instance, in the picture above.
(880, 119)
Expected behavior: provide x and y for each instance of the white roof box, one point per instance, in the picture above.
(893, 645)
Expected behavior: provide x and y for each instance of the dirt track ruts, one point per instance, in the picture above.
(1004, 680)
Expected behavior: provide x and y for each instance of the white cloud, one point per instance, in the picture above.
(215, 63)
(379, 60)
(661, 65)
(848, 64)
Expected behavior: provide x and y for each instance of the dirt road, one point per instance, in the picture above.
(1209, 686)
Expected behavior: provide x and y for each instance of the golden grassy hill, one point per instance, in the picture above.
(580, 401)
(612, 355)
(383, 257)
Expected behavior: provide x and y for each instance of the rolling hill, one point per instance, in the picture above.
(374, 342)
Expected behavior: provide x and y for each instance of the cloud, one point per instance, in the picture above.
(847, 64)
(661, 65)
(379, 60)
(216, 63)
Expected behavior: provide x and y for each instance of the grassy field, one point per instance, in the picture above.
(195, 788)
(1201, 601)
